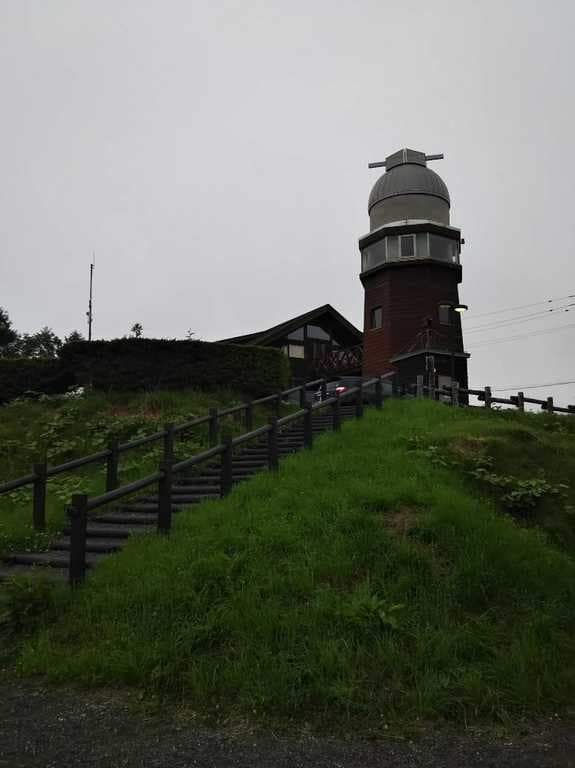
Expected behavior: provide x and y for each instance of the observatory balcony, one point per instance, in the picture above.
(410, 241)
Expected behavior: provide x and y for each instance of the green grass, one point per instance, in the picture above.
(64, 429)
(365, 584)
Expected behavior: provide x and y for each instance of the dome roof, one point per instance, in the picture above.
(411, 178)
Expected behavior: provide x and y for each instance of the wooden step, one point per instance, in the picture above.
(144, 507)
(35, 572)
(179, 500)
(106, 544)
(49, 559)
(114, 531)
(139, 519)
(213, 476)
(185, 489)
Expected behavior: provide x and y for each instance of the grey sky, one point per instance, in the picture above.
(214, 155)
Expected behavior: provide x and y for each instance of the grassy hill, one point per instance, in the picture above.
(418, 565)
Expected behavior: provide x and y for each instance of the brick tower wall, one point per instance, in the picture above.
(408, 294)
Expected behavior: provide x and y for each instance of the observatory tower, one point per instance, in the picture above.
(410, 271)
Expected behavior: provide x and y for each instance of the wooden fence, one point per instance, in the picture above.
(455, 393)
(221, 446)
(41, 472)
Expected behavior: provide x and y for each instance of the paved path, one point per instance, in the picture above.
(55, 729)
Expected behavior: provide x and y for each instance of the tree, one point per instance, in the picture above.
(74, 336)
(190, 334)
(136, 331)
(7, 334)
(43, 343)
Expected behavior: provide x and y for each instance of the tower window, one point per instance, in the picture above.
(376, 318)
(407, 246)
(445, 314)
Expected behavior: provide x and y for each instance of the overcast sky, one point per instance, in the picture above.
(214, 157)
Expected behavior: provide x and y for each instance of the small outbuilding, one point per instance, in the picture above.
(308, 340)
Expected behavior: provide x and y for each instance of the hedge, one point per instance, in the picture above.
(21, 375)
(136, 364)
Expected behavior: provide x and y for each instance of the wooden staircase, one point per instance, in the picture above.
(108, 530)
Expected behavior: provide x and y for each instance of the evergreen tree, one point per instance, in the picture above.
(74, 336)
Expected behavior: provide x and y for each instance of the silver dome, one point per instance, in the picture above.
(408, 179)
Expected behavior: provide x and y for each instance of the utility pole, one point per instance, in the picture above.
(89, 312)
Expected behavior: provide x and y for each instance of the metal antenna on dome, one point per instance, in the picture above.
(384, 162)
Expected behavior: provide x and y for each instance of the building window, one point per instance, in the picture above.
(392, 251)
(376, 318)
(407, 246)
(296, 335)
(297, 351)
(443, 249)
(445, 314)
(315, 332)
(373, 255)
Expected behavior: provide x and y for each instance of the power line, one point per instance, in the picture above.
(523, 306)
(521, 387)
(520, 319)
(517, 337)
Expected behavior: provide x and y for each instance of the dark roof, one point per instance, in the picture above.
(408, 179)
(277, 331)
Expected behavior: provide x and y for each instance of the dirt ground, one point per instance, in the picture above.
(42, 728)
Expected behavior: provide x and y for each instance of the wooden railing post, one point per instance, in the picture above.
(323, 389)
(359, 401)
(302, 391)
(78, 515)
(378, 393)
(39, 497)
(420, 386)
(226, 468)
(165, 496)
(549, 407)
(277, 405)
(520, 401)
(455, 393)
(112, 465)
(487, 397)
(169, 442)
(249, 416)
(273, 460)
(336, 413)
(213, 426)
(308, 427)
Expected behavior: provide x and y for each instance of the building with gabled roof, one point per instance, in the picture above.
(306, 339)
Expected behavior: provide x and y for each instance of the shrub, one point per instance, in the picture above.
(21, 375)
(137, 364)
(28, 603)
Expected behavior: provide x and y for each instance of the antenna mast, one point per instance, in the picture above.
(89, 312)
